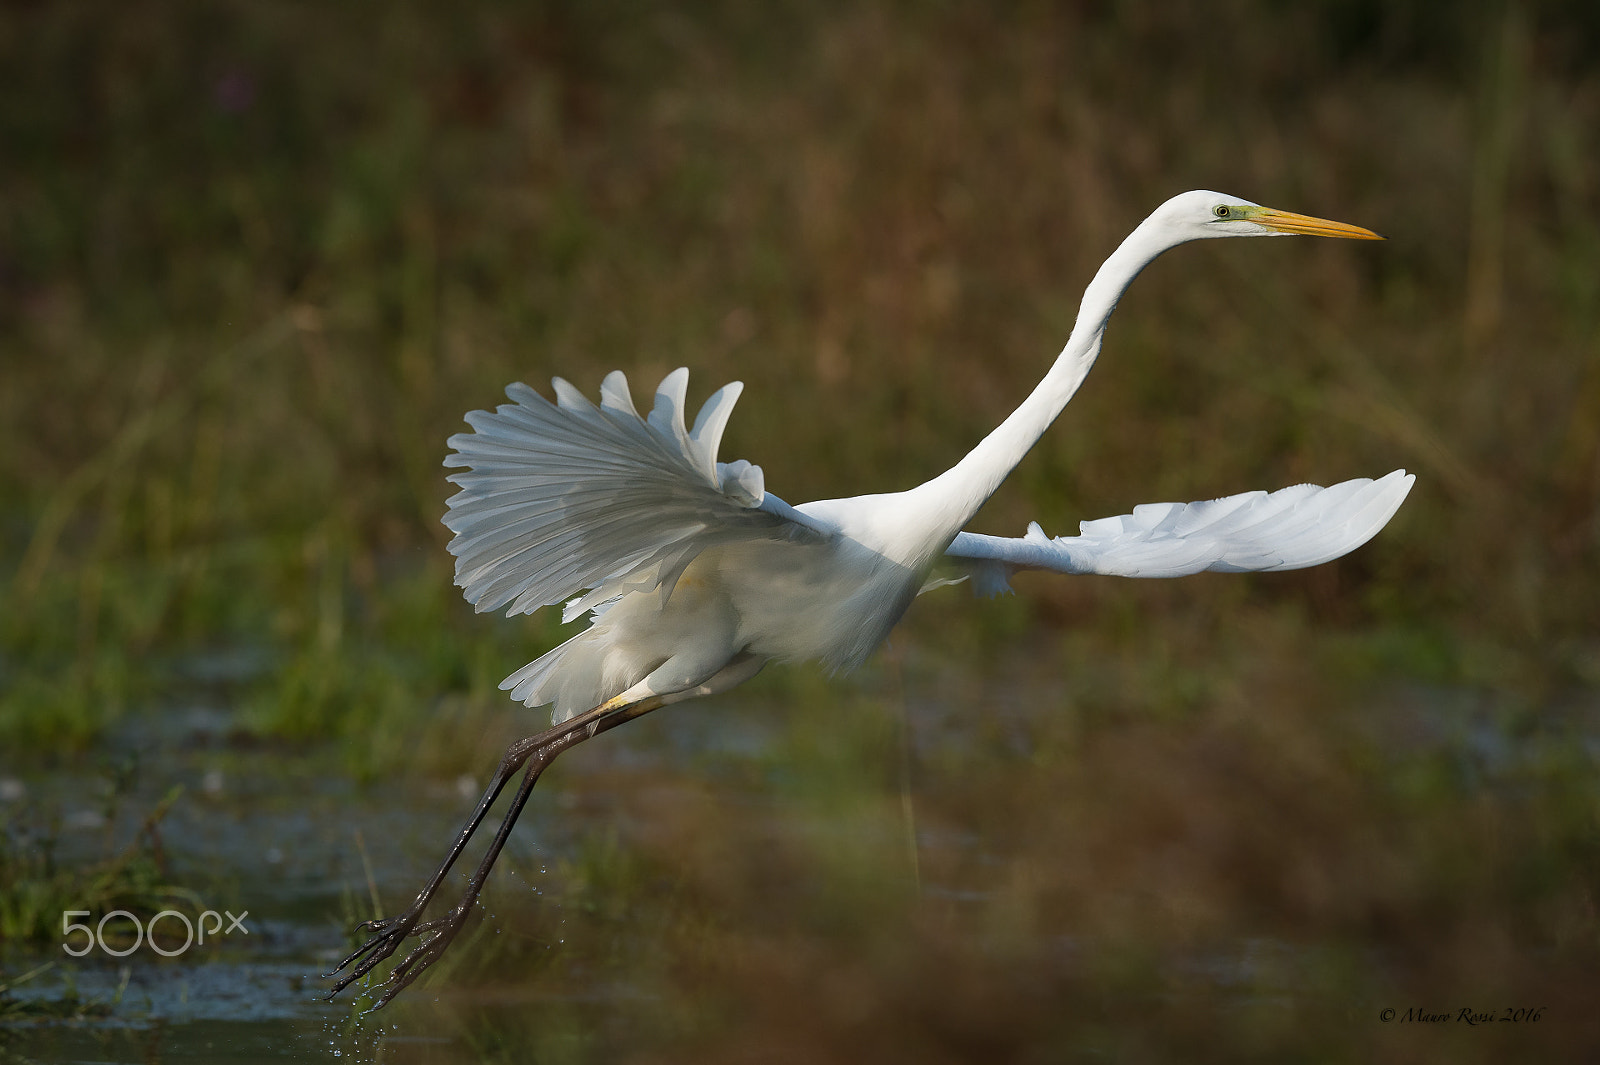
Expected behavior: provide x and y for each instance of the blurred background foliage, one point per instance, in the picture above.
(257, 259)
(256, 262)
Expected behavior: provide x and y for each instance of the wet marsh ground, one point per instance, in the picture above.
(248, 286)
(789, 875)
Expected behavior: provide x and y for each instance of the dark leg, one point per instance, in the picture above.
(539, 751)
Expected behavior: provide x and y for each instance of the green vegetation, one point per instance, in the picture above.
(257, 260)
(36, 889)
(249, 288)
(66, 1006)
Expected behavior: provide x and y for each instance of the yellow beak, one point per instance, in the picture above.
(1289, 222)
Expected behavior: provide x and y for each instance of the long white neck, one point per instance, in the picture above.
(956, 494)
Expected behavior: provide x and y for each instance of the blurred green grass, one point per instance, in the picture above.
(249, 287)
(255, 262)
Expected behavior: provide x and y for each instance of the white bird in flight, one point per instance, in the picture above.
(695, 576)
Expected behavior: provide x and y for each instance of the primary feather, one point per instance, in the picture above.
(1304, 525)
(566, 497)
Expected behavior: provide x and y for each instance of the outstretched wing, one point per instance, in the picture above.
(560, 498)
(1288, 529)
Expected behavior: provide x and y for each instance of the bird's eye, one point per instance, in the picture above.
(1220, 210)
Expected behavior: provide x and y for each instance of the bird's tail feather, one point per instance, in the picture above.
(576, 676)
(527, 685)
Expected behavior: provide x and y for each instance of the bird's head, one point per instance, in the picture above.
(1198, 215)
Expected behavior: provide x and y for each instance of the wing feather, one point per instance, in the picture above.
(1292, 528)
(568, 497)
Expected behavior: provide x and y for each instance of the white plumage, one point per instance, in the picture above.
(696, 576)
(1292, 528)
(565, 497)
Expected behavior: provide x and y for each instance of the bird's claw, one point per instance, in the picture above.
(389, 933)
(439, 935)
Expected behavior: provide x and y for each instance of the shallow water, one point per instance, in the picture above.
(286, 842)
(289, 847)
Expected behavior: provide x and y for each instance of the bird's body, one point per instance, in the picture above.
(755, 602)
(826, 580)
(695, 576)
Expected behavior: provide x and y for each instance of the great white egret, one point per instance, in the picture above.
(696, 577)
